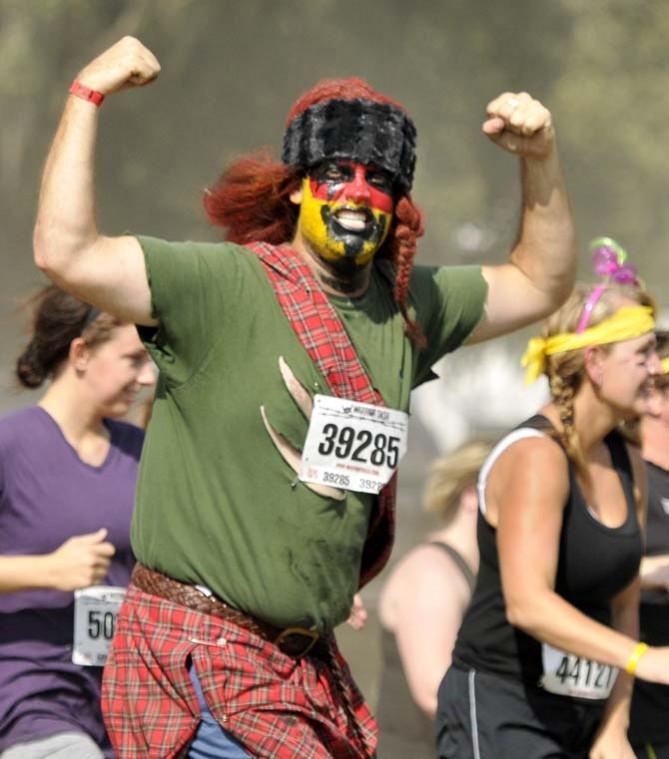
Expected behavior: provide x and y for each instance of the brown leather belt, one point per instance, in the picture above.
(294, 641)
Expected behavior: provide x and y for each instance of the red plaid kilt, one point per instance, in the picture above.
(276, 706)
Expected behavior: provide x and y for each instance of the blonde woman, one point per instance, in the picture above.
(422, 604)
(543, 661)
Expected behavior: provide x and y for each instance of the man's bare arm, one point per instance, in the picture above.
(107, 272)
(541, 268)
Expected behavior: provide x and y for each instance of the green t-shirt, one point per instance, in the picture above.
(217, 505)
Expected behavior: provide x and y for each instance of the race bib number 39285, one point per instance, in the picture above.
(353, 446)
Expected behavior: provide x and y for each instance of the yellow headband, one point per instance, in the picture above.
(628, 322)
(665, 365)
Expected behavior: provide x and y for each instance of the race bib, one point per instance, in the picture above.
(95, 611)
(353, 446)
(570, 675)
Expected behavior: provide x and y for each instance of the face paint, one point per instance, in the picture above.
(346, 211)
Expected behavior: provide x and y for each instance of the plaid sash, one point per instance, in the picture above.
(319, 329)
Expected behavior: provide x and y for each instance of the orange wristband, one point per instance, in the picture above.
(639, 650)
(86, 93)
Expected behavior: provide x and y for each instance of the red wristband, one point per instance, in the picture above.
(86, 93)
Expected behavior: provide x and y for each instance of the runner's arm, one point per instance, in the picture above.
(80, 561)
(612, 733)
(526, 492)
(107, 272)
(540, 272)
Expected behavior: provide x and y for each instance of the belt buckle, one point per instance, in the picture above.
(311, 635)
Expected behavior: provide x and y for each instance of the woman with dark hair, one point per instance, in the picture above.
(67, 480)
(543, 661)
(649, 729)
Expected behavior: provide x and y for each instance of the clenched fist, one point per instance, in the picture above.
(126, 64)
(520, 124)
(80, 561)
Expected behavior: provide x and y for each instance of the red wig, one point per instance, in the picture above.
(251, 200)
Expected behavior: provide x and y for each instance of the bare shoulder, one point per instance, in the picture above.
(532, 474)
(539, 455)
(421, 561)
(425, 576)
(428, 558)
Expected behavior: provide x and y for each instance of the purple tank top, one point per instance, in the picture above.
(47, 495)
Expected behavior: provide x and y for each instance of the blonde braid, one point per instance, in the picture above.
(563, 390)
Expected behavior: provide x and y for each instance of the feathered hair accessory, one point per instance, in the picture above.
(609, 262)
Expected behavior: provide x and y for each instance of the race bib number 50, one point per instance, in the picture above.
(570, 675)
(353, 446)
(95, 611)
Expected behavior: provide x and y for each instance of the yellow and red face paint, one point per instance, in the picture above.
(345, 212)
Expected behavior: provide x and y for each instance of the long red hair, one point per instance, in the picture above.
(251, 199)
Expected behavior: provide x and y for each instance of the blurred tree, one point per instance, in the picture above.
(613, 104)
(231, 70)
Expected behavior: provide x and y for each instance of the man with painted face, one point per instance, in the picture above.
(346, 212)
(287, 355)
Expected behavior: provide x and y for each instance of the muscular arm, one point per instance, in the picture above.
(105, 271)
(541, 268)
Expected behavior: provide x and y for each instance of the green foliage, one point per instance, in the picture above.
(231, 70)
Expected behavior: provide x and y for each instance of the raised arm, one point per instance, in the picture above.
(540, 272)
(107, 272)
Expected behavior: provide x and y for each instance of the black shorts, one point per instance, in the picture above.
(484, 716)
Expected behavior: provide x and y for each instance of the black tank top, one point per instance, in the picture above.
(595, 562)
(657, 526)
(650, 702)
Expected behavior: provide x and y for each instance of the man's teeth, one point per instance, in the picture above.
(354, 221)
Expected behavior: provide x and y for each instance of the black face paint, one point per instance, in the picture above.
(353, 241)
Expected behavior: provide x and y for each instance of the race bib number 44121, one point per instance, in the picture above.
(570, 675)
(353, 446)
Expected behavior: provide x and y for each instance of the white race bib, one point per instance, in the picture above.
(353, 446)
(95, 611)
(570, 675)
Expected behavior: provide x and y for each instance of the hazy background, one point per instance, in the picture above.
(231, 70)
